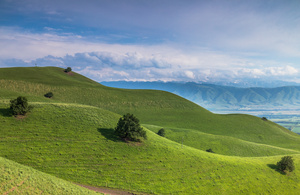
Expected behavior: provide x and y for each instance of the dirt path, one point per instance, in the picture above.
(109, 191)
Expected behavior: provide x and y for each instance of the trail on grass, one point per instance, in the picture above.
(109, 191)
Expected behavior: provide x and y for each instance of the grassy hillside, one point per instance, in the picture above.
(76, 143)
(152, 107)
(45, 75)
(220, 144)
(19, 179)
(71, 136)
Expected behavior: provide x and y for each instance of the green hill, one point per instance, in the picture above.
(151, 107)
(76, 143)
(19, 179)
(71, 137)
(221, 144)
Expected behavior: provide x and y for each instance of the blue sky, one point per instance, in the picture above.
(142, 40)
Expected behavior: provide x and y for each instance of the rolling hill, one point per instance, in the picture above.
(19, 179)
(70, 136)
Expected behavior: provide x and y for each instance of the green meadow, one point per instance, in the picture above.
(70, 138)
(20, 179)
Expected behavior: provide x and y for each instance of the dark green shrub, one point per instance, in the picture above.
(210, 150)
(286, 164)
(264, 118)
(161, 132)
(129, 129)
(20, 106)
(69, 69)
(49, 95)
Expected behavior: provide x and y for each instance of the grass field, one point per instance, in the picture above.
(70, 136)
(76, 143)
(19, 179)
(151, 107)
(220, 144)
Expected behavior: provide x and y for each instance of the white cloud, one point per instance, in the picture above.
(102, 61)
(281, 71)
(269, 71)
(31, 46)
(189, 74)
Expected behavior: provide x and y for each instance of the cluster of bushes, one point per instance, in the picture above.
(264, 118)
(129, 129)
(210, 150)
(286, 164)
(20, 106)
(161, 132)
(69, 69)
(49, 95)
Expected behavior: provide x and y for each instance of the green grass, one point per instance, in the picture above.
(71, 137)
(45, 75)
(19, 179)
(220, 144)
(76, 143)
(151, 107)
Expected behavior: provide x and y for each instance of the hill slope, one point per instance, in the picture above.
(151, 107)
(19, 179)
(71, 136)
(76, 143)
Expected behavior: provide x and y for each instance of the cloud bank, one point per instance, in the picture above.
(145, 40)
(110, 62)
(109, 66)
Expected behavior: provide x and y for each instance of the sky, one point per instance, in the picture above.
(157, 40)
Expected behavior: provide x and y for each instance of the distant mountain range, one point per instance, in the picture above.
(247, 83)
(217, 97)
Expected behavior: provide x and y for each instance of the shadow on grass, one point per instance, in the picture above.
(109, 134)
(5, 112)
(273, 166)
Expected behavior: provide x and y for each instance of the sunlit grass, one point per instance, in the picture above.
(71, 136)
(225, 145)
(19, 179)
(77, 143)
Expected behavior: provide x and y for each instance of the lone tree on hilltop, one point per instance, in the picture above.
(264, 118)
(161, 132)
(286, 164)
(128, 128)
(20, 106)
(69, 69)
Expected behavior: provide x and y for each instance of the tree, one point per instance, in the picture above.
(264, 118)
(286, 164)
(69, 69)
(20, 106)
(128, 128)
(49, 95)
(161, 132)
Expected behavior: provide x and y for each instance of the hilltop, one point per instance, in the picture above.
(71, 137)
